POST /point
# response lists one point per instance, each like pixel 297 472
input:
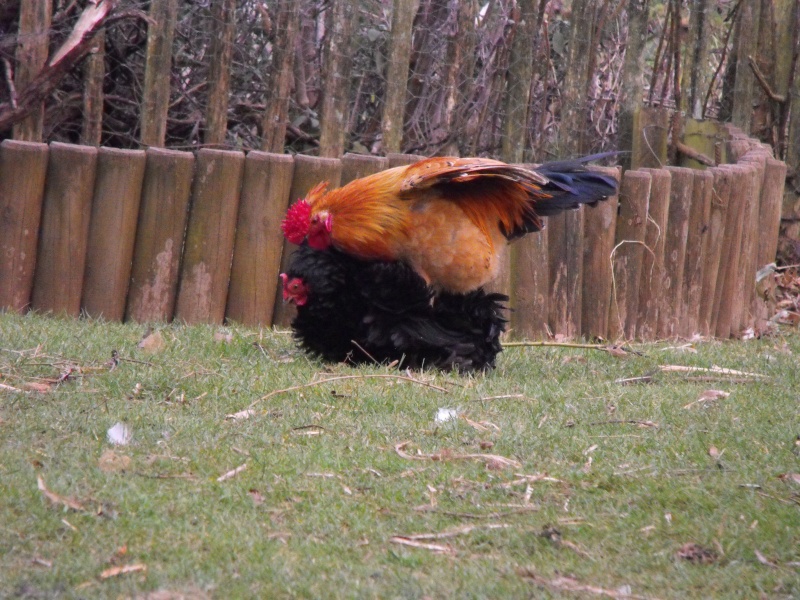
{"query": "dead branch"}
pixel 763 82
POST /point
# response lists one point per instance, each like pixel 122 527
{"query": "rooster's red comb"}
pixel 298 220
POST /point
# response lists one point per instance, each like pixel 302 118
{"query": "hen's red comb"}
pixel 298 220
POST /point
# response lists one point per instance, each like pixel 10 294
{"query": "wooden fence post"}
pixel 634 200
pixel 530 283
pixel 259 241
pixel 650 142
pixel 670 309
pixel 720 200
pixel 163 213
pixel 356 166
pixel 208 249
pixel 652 283
pixel 67 205
pixel 398 160
pixel 696 246
pixel 22 175
pixel 112 232
pixel 308 172
pixel 599 231
pixel 743 318
pixel 731 244
pixel 565 250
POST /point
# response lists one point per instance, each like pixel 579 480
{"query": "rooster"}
pixel 349 310
pixel 447 218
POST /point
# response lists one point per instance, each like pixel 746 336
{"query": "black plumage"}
pixel 362 312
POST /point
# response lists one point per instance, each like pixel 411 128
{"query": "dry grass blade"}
pixel 714 369
pixel 527 479
pixel 232 473
pixel 491 460
pixel 453 532
pixel 122 570
pixel 56 499
pixel 438 548
pixel 570 584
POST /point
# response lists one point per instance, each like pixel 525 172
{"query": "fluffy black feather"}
pixel 362 312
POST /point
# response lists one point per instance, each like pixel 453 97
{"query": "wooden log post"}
pixel 652 282
pixel 23 166
pixel 712 252
pixel 163 213
pixel 731 245
pixel 208 249
pixel 696 245
pixel 599 232
pixel 356 166
pixel 259 240
pixel 628 253
pixel 565 250
pixel 158 64
pixel 33 35
pixel 650 143
pixel 308 172
pixel 743 317
pixel 769 220
pixel 530 285
pixel 61 255
pixel 670 310
pixel 112 232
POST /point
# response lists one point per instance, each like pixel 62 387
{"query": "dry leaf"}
pixel 709 396
pixel 56 499
pixel 793 477
pixel 764 560
pixel 256 496
pixel 111 462
pixel 122 570
pixel 241 415
pixel 223 337
pixel 153 342
pixel 37 386
pixel 697 554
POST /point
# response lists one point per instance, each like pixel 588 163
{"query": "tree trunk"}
pixel 746 43
pixel 155 96
pixel 32 50
pixel 93 75
pixel 223 28
pixel 518 83
pixel 459 62
pixel 280 76
pixel 632 88
pixel 336 83
pixel 695 68
pixel 397 74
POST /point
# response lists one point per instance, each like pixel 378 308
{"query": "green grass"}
pixel 324 490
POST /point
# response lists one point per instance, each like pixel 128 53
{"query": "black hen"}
pixel 359 312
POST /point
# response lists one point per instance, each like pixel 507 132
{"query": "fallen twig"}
pixel 571 584
pixel 440 548
pixel 232 473
pixel 56 499
pixel 451 533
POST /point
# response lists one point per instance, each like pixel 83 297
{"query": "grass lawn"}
pixel 554 480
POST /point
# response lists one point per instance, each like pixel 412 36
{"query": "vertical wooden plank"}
pixel 33 38
pixel 652 282
pixel 743 317
pixel 696 244
pixel 731 244
pixel 220 59
pixel 67 204
pixel 599 231
pixel 398 160
pixel 720 199
pixel 22 174
pixel 112 232
pixel 308 172
pixel 208 249
pixel 650 138
pixel 356 166
pixel 259 241
pixel 565 248
pixel 158 64
pixel 530 284
pixel 163 213
pixel 670 309
pixel 634 200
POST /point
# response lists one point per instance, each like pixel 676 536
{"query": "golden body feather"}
pixel 442 216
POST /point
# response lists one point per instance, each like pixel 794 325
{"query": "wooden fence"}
pixel 158 235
